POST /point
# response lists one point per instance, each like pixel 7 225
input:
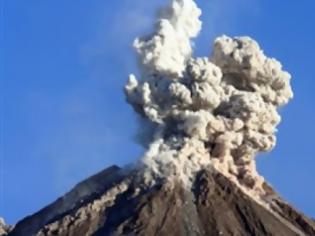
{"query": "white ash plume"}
pixel 219 111
pixel 167 50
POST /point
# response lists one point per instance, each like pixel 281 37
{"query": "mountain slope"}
pixel 4 229
pixel 114 202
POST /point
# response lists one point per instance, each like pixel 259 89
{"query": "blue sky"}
pixel 63 114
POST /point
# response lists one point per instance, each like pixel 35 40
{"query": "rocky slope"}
pixel 116 202
pixel 4 229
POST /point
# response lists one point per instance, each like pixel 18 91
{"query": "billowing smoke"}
pixel 219 111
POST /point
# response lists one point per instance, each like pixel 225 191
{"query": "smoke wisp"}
pixel 219 110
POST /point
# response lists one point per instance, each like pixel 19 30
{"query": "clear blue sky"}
pixel 63 115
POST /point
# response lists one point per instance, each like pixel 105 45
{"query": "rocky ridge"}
pixel 116 202
pixel 4 229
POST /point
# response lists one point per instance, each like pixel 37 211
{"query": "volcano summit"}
pixel 204 122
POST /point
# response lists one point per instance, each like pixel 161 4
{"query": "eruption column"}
pixel 219 111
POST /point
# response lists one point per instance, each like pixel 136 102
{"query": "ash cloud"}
pixel 219 110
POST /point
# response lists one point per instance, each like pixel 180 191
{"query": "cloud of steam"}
pixel 219 111
pixel 168 48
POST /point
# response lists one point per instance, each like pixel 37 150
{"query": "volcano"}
pixel 204 121
pixel 116 202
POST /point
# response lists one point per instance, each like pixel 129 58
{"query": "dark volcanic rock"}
pixel 115 203
pixel 72 200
